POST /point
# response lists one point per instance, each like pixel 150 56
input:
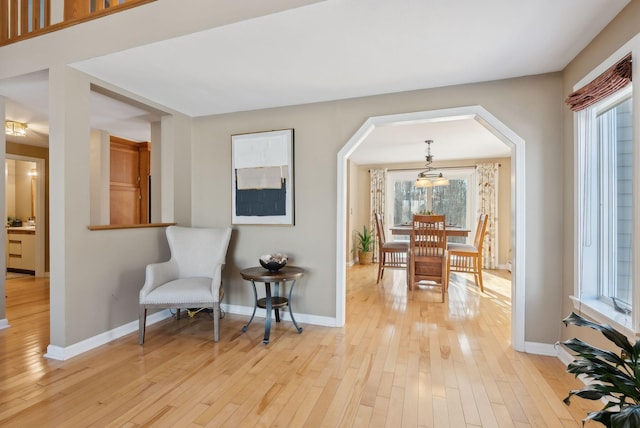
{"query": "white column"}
pixel 69 195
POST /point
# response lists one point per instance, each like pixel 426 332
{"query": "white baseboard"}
pixel 284 314
pixel 4 323
pixel 565 356
pixel 62 354
pixel 558 351
pixel 550 350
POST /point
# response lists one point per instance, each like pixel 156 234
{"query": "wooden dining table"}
pixel 405 229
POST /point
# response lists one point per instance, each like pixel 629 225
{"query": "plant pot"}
pixel 365 258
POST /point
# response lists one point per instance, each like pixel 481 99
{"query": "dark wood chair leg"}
pixel 142 323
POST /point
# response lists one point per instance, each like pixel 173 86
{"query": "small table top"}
pixel 405 229
pixel 258 273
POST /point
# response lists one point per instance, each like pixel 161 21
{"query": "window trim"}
pixel 593 308
pixel 451 173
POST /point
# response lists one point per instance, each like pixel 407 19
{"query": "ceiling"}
pixel 337 49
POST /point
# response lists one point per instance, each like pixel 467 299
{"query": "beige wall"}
pixel 23 192
pixel 531 107
pixel 10 188
pixel 356 212
pixel 504 196
pixel 622 29
pixel 361 203
pixel 113 260
pixel 198 155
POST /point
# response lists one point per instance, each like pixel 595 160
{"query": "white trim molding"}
pixel 62 354
pixel 542 349
pixel 284 315
pixel 518 209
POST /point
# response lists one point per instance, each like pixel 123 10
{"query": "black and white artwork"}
pixel 262 178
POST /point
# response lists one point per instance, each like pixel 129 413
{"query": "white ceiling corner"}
pixel 340 49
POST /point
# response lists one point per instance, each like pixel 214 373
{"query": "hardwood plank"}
pixel 399 361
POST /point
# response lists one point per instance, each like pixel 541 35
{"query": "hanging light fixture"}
pixel 16 129
pixel 429 178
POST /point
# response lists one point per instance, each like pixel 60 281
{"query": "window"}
pixel 455 201
pixel 615 198
pixel 605 211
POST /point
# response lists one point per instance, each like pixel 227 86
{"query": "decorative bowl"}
pixel 273 262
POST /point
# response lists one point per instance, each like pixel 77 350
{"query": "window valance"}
pixel 612 80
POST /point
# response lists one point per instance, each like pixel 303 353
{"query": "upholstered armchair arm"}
pixel 216 282
pixel 157 274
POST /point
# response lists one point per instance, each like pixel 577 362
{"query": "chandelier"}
pixel 428 177
pixel 17 129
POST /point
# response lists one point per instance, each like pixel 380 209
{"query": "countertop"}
pixel 22 229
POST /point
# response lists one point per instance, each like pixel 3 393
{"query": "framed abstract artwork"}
pixel 262 178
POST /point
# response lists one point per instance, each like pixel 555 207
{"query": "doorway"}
pixel 25 210
pixel 501 131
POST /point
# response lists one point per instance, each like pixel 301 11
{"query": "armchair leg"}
pixel 142 320
pixel 216 321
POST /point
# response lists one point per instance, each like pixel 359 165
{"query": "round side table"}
pixel 275 301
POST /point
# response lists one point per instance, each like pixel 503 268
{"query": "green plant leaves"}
pixel 613 377
pixel 364 240
pixel 629 417
pixel 619 339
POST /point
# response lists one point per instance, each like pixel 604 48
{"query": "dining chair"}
pixel 468 258
pixel 191 278
pixel 392 254
pixel 428 252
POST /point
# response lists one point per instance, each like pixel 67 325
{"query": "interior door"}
pixel 129 177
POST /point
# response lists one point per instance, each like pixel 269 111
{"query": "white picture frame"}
pixel 262 178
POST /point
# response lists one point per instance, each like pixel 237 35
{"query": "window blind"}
pixel 612 80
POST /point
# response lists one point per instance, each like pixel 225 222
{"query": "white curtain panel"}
pixel 378 182
pixel 487 179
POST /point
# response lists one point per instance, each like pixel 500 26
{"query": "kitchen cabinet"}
pixel 21 249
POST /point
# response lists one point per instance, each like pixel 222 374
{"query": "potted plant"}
pixel 364 246
pixel 612 376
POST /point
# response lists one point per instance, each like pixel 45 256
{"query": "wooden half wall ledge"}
pixel 129 226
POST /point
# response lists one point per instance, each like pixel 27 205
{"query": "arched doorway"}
pixel 501 131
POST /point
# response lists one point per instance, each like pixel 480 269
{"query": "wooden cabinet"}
pixel 130 168
pixel 21 250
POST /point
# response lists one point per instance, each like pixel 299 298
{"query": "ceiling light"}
pixel 17 129
pixel 428 177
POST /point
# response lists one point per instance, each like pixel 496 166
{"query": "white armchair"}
pixel 191 278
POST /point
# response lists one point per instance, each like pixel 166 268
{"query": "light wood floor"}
pixel 397 362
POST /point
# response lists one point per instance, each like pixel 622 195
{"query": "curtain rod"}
pixel 443 167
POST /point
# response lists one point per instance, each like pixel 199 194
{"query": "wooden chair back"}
pixel 481 229
pixel 468 258
pixel 391 254
pixel 380 229
pixel 428 251
pixel 428 236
